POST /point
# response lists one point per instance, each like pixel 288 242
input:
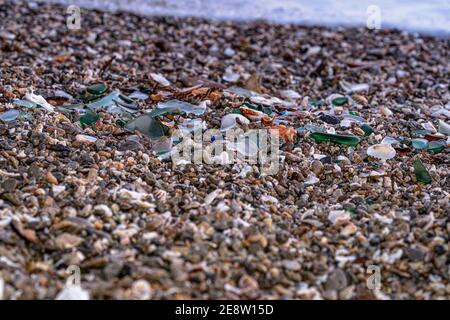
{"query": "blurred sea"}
pixel 425 16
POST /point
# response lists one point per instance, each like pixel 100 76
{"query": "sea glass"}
pixel 421 172
pixel 419 143
pixel 336 138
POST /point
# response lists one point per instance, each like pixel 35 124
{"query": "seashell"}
pixel 160 79
pixel 192 125
pixel 230 121
pixel 359 98
pixel 290 95
pixel 339 217
pixel 267 101
pixel 85 138
pixel 312 179
pixel 349 87
pixel 230 76
pixel 429 127
pixel 74 292
pixel 381 151
pixel 40 100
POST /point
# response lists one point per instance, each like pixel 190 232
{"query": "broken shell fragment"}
pixel 287 133
pixel 230 121
pixel 160 79
pixel 381 151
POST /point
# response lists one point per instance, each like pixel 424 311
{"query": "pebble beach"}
pixel 86 177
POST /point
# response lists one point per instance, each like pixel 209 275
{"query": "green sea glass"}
pixel 339 101
pixel 89 118
pixel 367 129
pixel 421 172
pixel 97 88
pixel 335 138
pixel 437 146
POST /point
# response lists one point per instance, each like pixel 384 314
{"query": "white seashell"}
pixel 312 51
pixel 230 76
pixel 222 159
pixel 312 179
pixel 319 156
pixel 381 151
pixel 229 121
pixel 74 292
pixel 375 174
pixel 349 87
pixel 40 100
pixel 222 207
pixel 339 217
pixel 141 290
pixel 429 127
pixel 385 111
pixel 290 94
pixel 160 79
pixel 267 101
pixel 85 139
pixel 192 125
pixel 342 158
